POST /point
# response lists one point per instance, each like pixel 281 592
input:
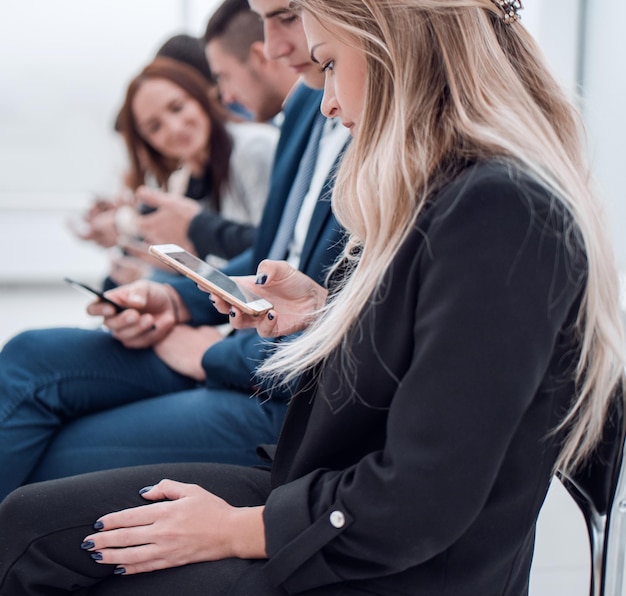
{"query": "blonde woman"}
pixel 469 345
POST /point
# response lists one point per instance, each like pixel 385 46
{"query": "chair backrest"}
pixel 599 490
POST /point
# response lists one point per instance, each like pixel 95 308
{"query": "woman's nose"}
pixel 329 107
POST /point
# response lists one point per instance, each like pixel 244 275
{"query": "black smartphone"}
pixel 92 291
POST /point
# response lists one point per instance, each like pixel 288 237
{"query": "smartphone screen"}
pixel 210 278
pixel 93 292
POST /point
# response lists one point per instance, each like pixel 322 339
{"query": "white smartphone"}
pixel 210 278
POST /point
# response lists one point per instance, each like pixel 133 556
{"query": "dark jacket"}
pixel 423 470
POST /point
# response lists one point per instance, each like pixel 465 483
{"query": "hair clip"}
pixel 510 8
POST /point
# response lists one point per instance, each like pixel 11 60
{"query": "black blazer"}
pixel 423 469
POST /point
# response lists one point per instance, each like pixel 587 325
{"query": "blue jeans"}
pixel 76 400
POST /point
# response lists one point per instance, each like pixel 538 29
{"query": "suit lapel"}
pixel 295 133
pixel 321 214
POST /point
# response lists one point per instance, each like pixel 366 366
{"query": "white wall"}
pixel 605 94
pixel 554 25
pixel 64 67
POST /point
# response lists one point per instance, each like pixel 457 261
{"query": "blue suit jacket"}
pixel 232 362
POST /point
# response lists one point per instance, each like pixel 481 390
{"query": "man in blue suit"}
pixel 164 384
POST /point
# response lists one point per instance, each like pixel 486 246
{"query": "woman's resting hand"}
pixel 186 525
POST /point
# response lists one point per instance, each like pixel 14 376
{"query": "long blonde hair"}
pixel 449 81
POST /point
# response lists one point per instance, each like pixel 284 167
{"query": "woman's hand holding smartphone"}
pixel 297 300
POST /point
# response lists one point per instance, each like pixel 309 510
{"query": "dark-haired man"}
pixel 235 49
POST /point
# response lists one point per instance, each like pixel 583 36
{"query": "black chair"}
pixel 599 490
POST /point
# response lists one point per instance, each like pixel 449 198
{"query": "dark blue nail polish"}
pixel 87 544
pixel 119 571
pixel 261 279
pixel 96 556
pixel 145 489
pixel 98 525
pixel 231 313
pixel 270 316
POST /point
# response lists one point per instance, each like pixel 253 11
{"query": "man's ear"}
pixel 257 53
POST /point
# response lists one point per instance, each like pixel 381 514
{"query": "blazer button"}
pixel 337 519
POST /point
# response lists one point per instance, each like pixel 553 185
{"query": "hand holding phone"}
pixel 210 278
pixel 93 292
pixel 297 300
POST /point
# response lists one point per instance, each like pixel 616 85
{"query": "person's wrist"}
pixel 322 297
pixel 180 312
pixel 247 532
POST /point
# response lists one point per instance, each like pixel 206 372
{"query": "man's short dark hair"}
pixel 188 49
pixel 236 26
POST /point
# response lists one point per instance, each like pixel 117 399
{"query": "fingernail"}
pixel 96 556
pixel 119 571
pixel 231 313
pixel 98 525
pixel 87 544
pixel 270 316
pixel 261 279
pixel 145 489
pixel 211 299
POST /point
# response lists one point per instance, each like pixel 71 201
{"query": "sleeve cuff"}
pixel 295 541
